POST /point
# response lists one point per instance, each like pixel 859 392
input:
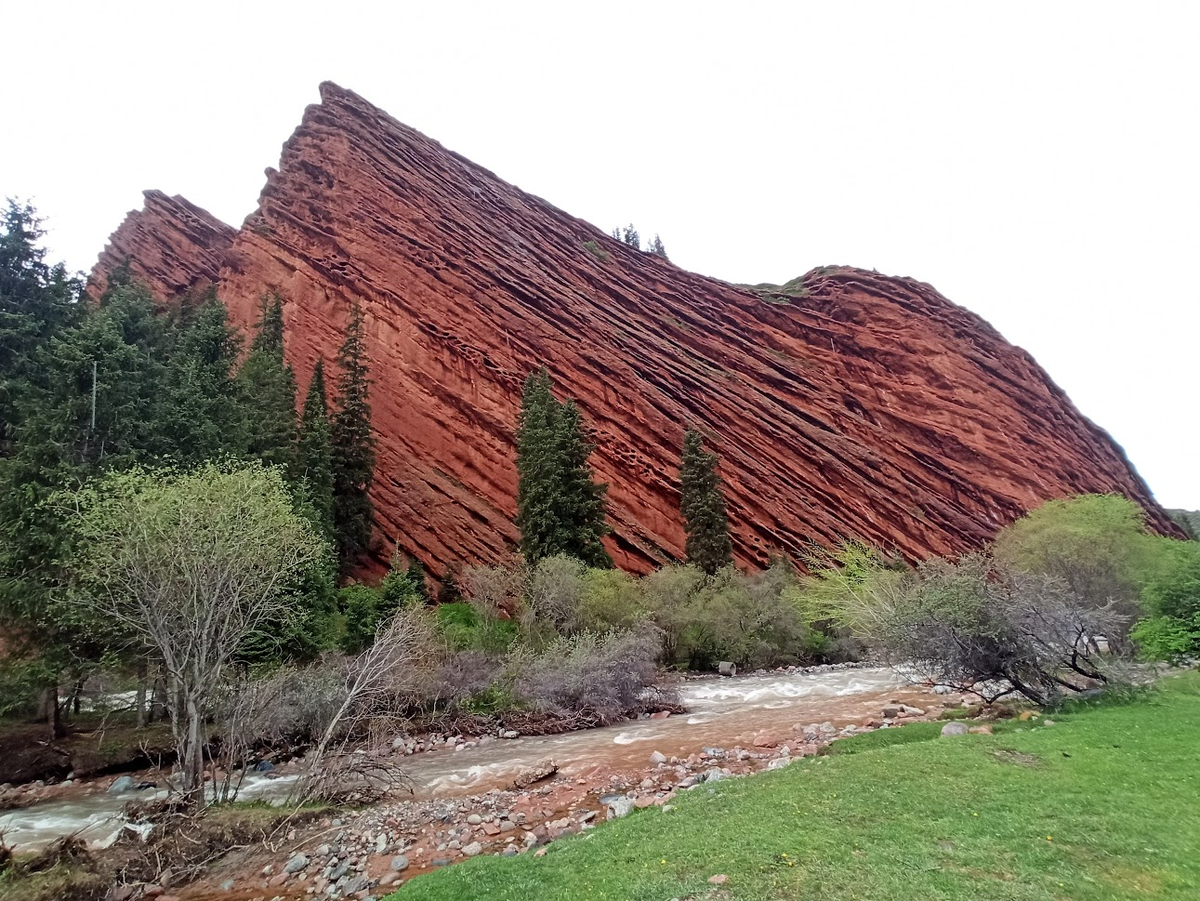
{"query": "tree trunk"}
pixel 141 694
pixel 158 702
pixel 191 751
pixel 48 710
pixel 75 695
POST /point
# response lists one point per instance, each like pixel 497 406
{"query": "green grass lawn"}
pixel 1105 804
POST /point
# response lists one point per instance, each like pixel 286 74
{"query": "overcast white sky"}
pixel 1036 162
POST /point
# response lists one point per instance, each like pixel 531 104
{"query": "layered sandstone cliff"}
pixel 847 404
pixel 171 244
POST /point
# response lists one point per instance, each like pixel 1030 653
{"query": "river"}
pixel 721 713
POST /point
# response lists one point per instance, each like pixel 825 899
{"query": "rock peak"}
pixel 843 404
pixel 171 244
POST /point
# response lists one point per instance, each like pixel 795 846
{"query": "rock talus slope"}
pixel 847 404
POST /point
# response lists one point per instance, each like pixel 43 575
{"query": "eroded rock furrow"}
pixel 847 404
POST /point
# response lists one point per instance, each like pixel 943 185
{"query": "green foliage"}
pixel 21 683
pixel 629 236
pixel 560 509
pixel 1188 520
pixel 361 608
pixel 1171 629
pixel 449 591
pixel 596 250
pixel 353 446
pixel 364 609
pixel 1096 543
pixel 466 629
pixel 315 454
pixel 747 619
pixel 195 566
pixel 703 507
pixel 37 301
pixel 267 388
pixel 203 416
pixel 656 247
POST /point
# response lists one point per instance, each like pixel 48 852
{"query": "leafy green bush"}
pixel 1171 629
pixel 465 629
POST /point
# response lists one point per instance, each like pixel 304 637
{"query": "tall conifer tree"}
pixel 268 388
pixel 315 453
pixel 353 447
pixel 703 506
pixel 560 508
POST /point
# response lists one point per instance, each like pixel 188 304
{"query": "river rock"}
pixel 954 729
pixel 474 819
pixel 473 849
pixel 353 885
pixel 618 807
pixel 658 757
pixel 296 864
pixel 122 784
pixel 399 863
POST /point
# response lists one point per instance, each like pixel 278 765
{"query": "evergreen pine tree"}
pixel 448 591
pixel 656 247
pixel 560 509
pixel 539 471
pixel 353 447
pixel 416 578
pixel 703 507
pixel 204 416
pixel 582 502
pixel 315 463
pixel 36 301
pixel 268 392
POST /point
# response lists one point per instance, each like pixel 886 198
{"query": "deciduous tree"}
pixel 196 564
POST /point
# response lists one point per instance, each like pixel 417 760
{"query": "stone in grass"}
pixel 719 879
pixel 954 729
pixel 619 807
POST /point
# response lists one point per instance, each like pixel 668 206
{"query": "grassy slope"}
pixel 1103 805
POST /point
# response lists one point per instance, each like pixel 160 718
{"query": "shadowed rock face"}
pixel 845 404
pixel 172 245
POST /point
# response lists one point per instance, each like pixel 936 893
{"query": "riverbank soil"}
pixel 1094 804
pixel 92 745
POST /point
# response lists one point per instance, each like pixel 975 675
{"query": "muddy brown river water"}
pixel 721 713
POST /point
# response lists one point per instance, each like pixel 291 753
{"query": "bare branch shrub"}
pixel 596 679
pixel 976 625
pixel 379 686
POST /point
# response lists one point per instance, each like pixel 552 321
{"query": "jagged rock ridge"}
pixel 171 244
pixel 847 404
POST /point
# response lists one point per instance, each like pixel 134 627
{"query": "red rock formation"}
pixel 853 405
pixel 171 244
